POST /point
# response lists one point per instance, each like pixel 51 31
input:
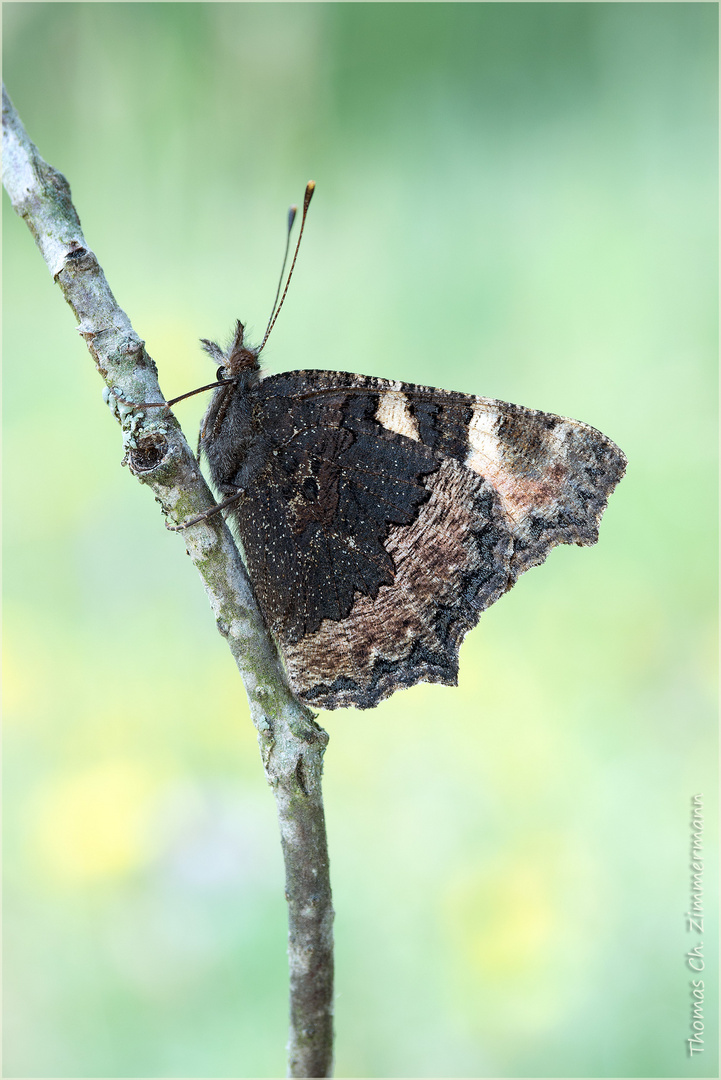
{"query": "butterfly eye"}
pixel 219 374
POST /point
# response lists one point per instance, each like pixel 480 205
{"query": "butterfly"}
pixel 379 519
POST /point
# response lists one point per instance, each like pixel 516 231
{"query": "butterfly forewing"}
pixel 378 519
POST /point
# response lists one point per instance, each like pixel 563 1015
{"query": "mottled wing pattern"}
pixel 370 554
pixel 315 522
pixel 389 516
pixel 553 475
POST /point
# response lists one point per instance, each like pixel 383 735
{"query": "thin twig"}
pixel 291 743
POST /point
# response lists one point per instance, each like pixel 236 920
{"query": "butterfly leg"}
pixel 207 513
pixel 135 404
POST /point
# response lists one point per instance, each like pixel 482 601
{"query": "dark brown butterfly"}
pixel 379 519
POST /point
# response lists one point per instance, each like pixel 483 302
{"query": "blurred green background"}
pixel 514 200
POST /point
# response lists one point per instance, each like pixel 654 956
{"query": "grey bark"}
pixel 291 743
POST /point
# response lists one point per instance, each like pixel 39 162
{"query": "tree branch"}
pixel 291 743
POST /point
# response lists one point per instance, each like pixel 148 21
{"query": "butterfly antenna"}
pixel 291 218
pixel 310 188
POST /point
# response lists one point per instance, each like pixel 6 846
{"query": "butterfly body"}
pixel 378 519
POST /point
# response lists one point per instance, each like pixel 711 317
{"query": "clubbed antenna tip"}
pixel 309 189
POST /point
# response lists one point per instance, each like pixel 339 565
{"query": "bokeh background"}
pixel 514 200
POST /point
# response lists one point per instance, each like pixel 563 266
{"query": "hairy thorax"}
pixel 234 448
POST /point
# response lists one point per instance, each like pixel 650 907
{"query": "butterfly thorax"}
pixel 229 438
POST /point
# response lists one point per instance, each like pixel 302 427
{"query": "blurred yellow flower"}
pixel 503 922
pixel 93 824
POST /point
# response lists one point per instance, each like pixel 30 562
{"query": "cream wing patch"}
pixel 394 414
pixel 485 447
pixel 486 458
pixel 521 490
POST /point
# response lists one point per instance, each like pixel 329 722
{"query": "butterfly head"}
pixel 239 363
pixel 235 361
